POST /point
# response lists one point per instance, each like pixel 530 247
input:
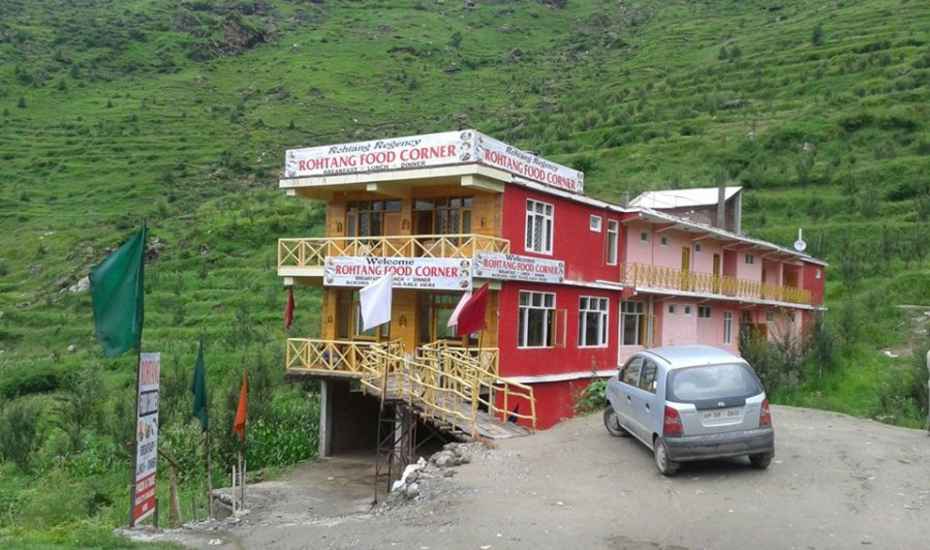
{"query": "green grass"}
pixel 111 112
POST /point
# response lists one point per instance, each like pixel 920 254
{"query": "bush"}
pixel 19 423
pixel 593 398
pixel 28 379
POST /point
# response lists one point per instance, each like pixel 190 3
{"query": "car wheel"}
pixel 612 423
pixel 665 465
pixel 761 461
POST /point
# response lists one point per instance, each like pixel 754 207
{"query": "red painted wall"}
pixel 555 401
pixel 515 361
pixel 812 283
pixel 583 251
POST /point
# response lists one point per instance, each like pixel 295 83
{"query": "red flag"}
pixel 471 316
pixel 289 309
pixel 242 412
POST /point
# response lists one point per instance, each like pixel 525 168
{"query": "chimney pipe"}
pixel 722 204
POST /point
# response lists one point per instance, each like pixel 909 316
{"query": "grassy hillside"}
pixel 179 111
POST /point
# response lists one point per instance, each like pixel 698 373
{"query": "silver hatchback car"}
pixel 691 403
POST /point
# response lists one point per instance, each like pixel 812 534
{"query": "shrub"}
pixel 22 380
pixel 817 37
pixel 19 423
pixel 593 398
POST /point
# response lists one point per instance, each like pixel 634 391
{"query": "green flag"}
pixel 116 287
pixel 199 388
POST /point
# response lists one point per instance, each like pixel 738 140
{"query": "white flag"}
pixel 454 318
pixel 376 302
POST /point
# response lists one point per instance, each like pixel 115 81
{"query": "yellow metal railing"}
pixel 312 252
pixel 653 276
pixel 449 384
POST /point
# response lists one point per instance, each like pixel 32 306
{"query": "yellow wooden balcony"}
pixel 668 278
pixel 312 252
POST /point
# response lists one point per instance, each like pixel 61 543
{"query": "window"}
pixel 663 241
pixel 817 274
pixel 442 216
pixel 594 224
pixel 703 312
pixel 613 239
pixel 647 377
pixel 671 309
pixel 634 323
pixel 592 322
pixel 366 218
pixel 697 247
pixel 644 237
pixel 727 327
pixel 750 259
pixel 539 226
pixel 537 319
pixel 687 310
pixel 631 371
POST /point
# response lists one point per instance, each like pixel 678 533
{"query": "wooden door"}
pixel 716 273
pixel 685 268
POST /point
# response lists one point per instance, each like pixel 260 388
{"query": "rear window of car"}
pixel 693 384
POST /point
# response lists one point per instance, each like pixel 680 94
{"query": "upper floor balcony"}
pixel 297 256
pixel 652 277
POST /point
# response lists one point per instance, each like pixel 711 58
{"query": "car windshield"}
pixel 712 382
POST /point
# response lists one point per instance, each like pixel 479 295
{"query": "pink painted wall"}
pixel 752 272
pixel 679 328
pixel 703 261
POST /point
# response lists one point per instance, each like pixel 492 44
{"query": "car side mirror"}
pixel 620 373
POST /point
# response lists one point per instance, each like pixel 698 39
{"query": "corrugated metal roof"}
pixel 681 198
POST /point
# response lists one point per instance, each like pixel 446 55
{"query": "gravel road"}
pixel 836 482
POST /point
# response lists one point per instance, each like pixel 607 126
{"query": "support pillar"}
pixel 326 418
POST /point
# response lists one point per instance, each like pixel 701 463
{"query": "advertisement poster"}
pixel 513 267
pixel 143 501
pixel 420 273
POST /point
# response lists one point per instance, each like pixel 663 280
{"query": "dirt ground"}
pixel 836 482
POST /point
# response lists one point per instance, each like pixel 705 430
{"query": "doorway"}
pixel 433 312
pixel 685 268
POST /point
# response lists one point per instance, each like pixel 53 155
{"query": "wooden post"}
pixel 209 476
pixel 174 504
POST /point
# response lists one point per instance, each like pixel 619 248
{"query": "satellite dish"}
pixel 799 244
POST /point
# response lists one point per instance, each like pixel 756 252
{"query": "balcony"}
pixel 666 278
pixel 309 253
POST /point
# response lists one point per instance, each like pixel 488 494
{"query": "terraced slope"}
pixel 179 111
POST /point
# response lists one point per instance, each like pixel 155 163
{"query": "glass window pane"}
pixel 536 299
pixel 535 320
pixel 521 340
pixel 524 298
pixel 466 221
pixel 550 300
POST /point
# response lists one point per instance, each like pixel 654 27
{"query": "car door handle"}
pixel 648 407
pixel 628 398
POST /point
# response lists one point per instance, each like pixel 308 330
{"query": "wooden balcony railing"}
pixel 668 278
pixel 313 252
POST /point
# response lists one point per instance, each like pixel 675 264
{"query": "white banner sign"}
pixel 422 273
pixel 143 502
pixel 513 267
pixel 522 163
pixel 442 149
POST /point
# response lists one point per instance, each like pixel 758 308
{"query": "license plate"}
pixel 722 414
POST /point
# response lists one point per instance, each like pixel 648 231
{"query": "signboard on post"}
pixel 429 150
pixel 143 499
pixel 420 273
pixel 513 267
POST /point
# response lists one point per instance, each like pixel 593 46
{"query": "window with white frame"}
pixel 663 241
pixel 697 247
pixel 671 309
pixel 727 327
pixel 537 319
pixel 750 259
pixel 594 224
pixel 703 312
pixel 539 226
pixel 644 237
pixel 592 322
pixel 613 240
pixel 634 323
pixel 687 310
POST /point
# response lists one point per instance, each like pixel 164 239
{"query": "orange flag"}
pixel 242 412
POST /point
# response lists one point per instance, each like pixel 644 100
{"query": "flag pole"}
pixel 135 420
